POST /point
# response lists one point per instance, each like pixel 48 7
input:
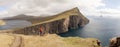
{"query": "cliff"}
pixel 15 40
pixel 71 19
pixel 115 42
pixel 2 22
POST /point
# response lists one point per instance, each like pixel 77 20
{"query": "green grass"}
pixel 81 42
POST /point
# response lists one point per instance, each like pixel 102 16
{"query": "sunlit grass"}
pixel 81 42
pixel 50 40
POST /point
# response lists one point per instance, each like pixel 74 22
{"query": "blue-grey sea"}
pixel 102 28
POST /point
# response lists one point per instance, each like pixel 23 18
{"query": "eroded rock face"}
pixel 115 42
pixel 71 19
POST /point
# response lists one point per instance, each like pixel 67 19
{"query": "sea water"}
pixel 102 28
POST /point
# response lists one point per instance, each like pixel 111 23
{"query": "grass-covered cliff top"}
pixel 15 40
pixel 62 15
pixel 2 22
pixel 72 12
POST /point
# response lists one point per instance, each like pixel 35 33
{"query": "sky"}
pixel 9 8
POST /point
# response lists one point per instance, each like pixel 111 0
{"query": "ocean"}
pixel 102 28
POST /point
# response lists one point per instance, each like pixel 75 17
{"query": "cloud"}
pixel 109 11
pixel 89 3
pixel 90 7
pixel 34 7
pixel 51 7
pixel 98 8
pixel 114 13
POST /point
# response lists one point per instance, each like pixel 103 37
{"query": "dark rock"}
pixel 115 42
pixel 99 43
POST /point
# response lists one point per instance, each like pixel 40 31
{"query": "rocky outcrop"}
pixel 50 40
pixel 71 19
pixel 115 42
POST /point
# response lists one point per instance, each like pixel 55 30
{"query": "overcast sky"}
pixel 10 8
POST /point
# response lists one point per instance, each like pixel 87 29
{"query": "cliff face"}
pixel 70 19
pixel 115 42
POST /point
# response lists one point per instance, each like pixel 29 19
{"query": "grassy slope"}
pixel 7 40
pixel 81 42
